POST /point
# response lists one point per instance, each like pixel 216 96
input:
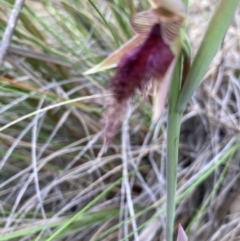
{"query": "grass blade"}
pixel 105 21
pixel 214 34
pixel 173 132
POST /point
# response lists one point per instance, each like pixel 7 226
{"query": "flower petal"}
pixel 174 6
pixel 181 234
pixel 143 22
pixel 112 60
pixel 161 92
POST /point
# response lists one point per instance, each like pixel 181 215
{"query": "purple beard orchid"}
pixel 148 57
pixel 137 68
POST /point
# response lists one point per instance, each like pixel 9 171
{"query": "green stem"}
pixel 173 131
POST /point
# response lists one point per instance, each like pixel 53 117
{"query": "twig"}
pixel 12 22
pixel 24 52
pixel 126 188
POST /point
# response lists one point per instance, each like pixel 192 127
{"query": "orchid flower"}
pixel 148 57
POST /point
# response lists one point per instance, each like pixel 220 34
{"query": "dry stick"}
pixel 10 29
pixel 23 52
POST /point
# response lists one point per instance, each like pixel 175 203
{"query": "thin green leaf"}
pixel 122 22
pixel 211 195
pixel 105 21
pixel 30 25
pixel 173 132
pixel 214 34
pixel 83 210
pixel 184 190
pixel 86 220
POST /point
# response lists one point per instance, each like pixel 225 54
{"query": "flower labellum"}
pixel 137 68
pixel 148 61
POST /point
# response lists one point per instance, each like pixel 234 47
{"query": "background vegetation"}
pixel 57 183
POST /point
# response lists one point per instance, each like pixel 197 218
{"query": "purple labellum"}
pixel 136 69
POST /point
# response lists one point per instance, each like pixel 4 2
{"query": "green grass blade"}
pixel 186 189
pixel 226 153
pixel 122 22
pixel 85 221
pixel 173 132
pixel 105 21
pixel 82 211
pixel 214 34
pixel 211 195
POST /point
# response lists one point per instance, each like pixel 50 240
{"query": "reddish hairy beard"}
pixel 136 69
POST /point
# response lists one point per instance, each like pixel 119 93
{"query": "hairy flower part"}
pixel 112 119
pixel 149 61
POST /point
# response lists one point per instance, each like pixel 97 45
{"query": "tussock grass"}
pixel 57 183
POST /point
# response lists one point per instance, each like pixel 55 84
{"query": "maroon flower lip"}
pixel 140 65
pixel 137 68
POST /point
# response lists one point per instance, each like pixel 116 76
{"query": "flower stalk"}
pixel 173 132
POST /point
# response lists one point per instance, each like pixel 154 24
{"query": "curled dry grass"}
pixel 53 166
